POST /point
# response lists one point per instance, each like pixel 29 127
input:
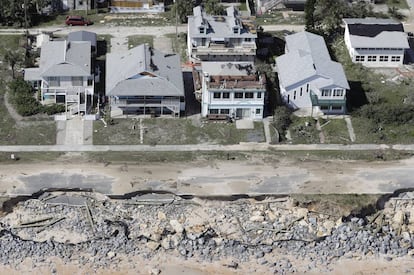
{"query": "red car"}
pixel 76 20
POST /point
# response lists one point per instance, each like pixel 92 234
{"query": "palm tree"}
pixel 13 58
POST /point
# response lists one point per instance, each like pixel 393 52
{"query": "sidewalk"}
pixel 204 147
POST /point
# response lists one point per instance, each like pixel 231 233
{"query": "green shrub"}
pixel 386 113
pixel 282 118
pixel 53 109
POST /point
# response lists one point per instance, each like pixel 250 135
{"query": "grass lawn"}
pixel 338 204
pixel 276 17
pixel 179 44
pixel 29 157
pixel 174 131
pixel 104 18
pixel 29 133
pixel 136 40
pixel 335 131
pixel 302 134
pixel 368 132
pixel 400 4
pixel 372 89
pixel 147 157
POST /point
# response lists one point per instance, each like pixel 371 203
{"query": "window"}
pixel 300 94
pixel 336 108
pixel 214 111
pixel 259 95
pixel 294 94
pixel 338 92
pixel 307 87
pixel 235 30
pixel 201 30
pixel 238 95
pixel 217 95
pixel 54 81
pixel 247 40
pixel 324 107
pixel 248 95
pixel 359 58
pixel 226 95
pixel 372 58
pixel 258 111
pixel 225 111
pixel 77 81
pixel 383 58
pixel 326 92
pixel 90 82
pixel 288 101
pixel 395 58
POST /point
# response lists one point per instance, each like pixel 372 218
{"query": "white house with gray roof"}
pixel 232 89
pixel 65 75
pixel 375 42
pixel 309 80
pixel 144 81
pixel 220 37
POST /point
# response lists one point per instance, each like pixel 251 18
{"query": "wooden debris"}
pixel 89 215
pixel 51 223
pixel 36 221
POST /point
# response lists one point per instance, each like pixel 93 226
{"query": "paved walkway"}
pixel 74 132
pixel 266 126
pixel 249 146
pixel 351 132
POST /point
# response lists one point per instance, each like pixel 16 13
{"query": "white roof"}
pixel 308 57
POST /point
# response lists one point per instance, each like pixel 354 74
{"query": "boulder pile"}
pixel 89 228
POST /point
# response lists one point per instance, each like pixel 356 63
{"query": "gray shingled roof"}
pixel 31 74
pixel 83 36
pixel 307 58
pixel 219 26
pixel 143 71
pixel 60 58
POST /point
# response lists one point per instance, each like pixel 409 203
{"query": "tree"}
pixel 13 58
pixel 213 7
pixel 15 12
pixel 181 9
pixel 309 15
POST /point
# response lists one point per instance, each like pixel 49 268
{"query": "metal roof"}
pixel 308 58
pixel 83 36
pixel 144 71
pixel 376 33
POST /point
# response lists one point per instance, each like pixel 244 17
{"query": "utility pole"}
pixel 25 14
pixel 176 18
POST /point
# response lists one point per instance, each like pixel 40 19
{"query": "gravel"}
pixel 242 230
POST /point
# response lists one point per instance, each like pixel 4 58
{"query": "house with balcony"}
pixel 65 76
pixel 232 89
pixel 376 42
pixel 144 81
pixel 227 37
pixel 309 80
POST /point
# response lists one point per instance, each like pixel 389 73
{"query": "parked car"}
pixel 76 20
